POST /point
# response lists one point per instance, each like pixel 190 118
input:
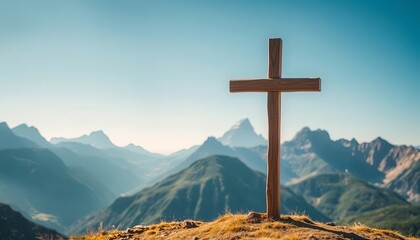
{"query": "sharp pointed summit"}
pixel 242 134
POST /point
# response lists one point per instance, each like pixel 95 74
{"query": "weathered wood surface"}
pixel 273 109
pixel 273 156
pixel 274 85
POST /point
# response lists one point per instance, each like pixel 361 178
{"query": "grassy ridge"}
pixel 251 226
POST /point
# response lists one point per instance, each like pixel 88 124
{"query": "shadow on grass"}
pixel 312 226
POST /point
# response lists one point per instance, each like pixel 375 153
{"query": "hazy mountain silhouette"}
pixel 213 147
pixel 97 139
pixel 95 172
pixel 32 134
pixel 242 134
pixel 100 140
pixel 210 147
pixel 141 151
pixel 139 159
pixel 13 226
pixel 184 153
pixel 342 195
pixel 203 191
pixel 38 182
pixel 164 167
pixel 116 174
pixel 9 140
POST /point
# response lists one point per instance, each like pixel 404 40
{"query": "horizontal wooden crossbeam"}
pixel 276 85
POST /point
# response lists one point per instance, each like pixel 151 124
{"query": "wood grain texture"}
pixel 276 85
pixel 273 156
pixel 274 57
pixel 273 109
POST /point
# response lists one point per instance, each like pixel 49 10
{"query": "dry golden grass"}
pixel 230 226
pixel 378 232
pixel 96 236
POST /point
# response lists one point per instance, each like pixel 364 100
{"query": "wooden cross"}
pixel 274 85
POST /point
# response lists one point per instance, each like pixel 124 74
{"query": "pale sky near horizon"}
pixel 155 73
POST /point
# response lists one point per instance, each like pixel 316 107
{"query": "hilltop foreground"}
pixel 251 226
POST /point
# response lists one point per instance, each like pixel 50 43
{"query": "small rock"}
pixel 137 229
pixel 254 217
pixel 195 238
pixel 189 224
pixel 330 224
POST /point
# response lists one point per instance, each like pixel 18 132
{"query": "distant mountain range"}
pixel 340 180
pixel 100 157
pixel 38 182
pixel 379 162
pixel 99 140
pixel 313 152
pixel 96 139
pixel 55 185
pixel 14 226
pixel 205 190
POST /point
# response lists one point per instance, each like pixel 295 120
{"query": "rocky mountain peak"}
pixel 242 134
pixel 306 134
pixel 381 143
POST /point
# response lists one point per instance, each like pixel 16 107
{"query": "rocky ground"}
pixel 251 226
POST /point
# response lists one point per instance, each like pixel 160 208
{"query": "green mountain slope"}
pixel 203 191
pixel 13 226
pixel 405 219
pixel 341 195
pixel 37 182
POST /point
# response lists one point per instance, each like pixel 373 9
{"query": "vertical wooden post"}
pixel 273 107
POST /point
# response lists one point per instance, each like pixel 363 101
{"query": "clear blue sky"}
pixel 156 72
